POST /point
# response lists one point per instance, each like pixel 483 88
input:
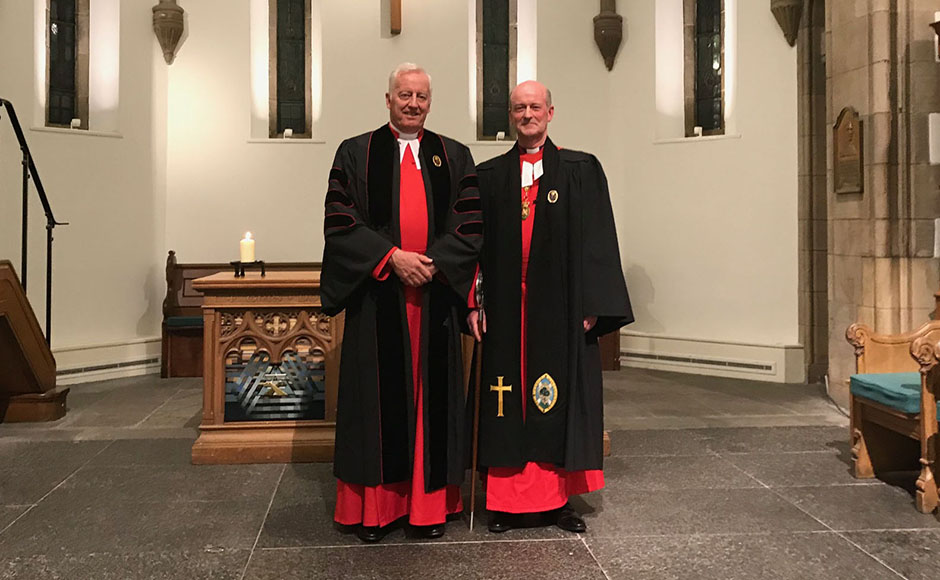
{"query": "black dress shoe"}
pixel 370 534
pixel 500 522
pixel 569 520
pixel 434 531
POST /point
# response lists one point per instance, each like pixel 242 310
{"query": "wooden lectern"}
pixel 27 368
pixel 271 370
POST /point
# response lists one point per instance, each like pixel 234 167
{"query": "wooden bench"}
pixel 894 405
pixel 181 331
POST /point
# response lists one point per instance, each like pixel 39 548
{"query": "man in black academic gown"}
pixel 402 235
pixel 552 283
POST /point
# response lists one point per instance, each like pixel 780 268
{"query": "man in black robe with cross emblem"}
pixel 552 283
pixel 402 235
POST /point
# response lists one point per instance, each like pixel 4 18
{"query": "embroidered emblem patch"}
pixel 553 196
pixel 545 393
pixel 436 160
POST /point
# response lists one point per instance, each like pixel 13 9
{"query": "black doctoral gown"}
pixel 375 423
pixel 574 272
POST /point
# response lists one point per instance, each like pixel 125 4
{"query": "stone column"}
pixel 881 271
pixel 813 235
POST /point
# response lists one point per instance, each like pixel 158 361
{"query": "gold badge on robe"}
pixel 553 196
pixel 436 160
pixel 545 393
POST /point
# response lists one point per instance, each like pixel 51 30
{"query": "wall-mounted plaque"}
pixel 847 159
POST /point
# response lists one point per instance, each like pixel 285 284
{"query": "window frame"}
pixel 81 65
pixel 513 9
pixel 689 15
pixel 273 132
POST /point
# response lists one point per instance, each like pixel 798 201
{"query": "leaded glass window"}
pixel 709 66
pixel 63 50
pixel 291 66
pixel 496 41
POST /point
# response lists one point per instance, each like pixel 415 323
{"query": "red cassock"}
pixel 536 487
pixel 383 504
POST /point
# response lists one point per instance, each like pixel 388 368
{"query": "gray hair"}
pixel 403 68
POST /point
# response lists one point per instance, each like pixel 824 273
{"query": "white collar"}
pixel 531 172
pixel 405 140
pixel 402 134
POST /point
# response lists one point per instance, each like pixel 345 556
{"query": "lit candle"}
pixel 247 247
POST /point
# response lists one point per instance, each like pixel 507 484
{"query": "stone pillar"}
pixel 813 234
pixel 881 271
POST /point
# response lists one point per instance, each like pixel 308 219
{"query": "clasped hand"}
pixel 412 268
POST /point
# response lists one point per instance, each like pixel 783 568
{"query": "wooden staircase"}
pixel 27 368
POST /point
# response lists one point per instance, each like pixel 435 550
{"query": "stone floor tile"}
pixel 860 507
pixel 189 565
pixel 66 455
pixel 295 522
pixel 803 556
pixel 8 513
pixel 679 472
pixel 146 452
pixel 27 485
pixel 626 512
pixel 57 527
pixel 655 443
pixel 525 560
pixel 797 469
pixel 914 555
pixel 774 439
pixel 172 483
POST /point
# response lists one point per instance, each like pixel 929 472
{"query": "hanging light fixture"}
pixel 608 31
pixel 168 26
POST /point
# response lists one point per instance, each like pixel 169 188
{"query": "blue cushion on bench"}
pixel 900 391
pixel 181 321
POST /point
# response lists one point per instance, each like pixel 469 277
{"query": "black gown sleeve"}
pixel 456 252
pixel 604 289
pixel 352 249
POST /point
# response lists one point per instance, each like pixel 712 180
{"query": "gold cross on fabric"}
pixel 500 388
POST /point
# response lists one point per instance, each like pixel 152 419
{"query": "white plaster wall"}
pixel 708 229
pixel 221 185
pixel 107 278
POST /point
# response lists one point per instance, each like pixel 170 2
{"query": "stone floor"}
pixel 710 478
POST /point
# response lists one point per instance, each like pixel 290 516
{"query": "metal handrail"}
pixel 30 171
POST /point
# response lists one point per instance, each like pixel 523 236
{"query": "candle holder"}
pixel 240 267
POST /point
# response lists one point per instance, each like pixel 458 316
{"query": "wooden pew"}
pixel 894 405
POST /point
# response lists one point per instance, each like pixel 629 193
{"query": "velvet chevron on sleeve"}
pixel 456 251
pixel 376 414
pixel 353 248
